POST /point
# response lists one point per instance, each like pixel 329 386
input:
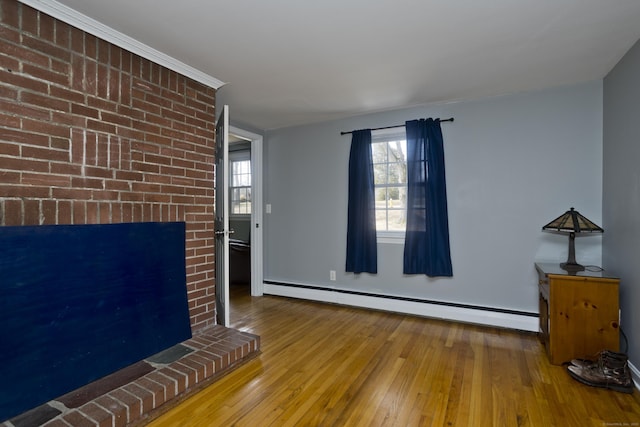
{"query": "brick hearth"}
pixel 133 395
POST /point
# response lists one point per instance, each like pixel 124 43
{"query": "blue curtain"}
pixel 362 255
pixel 426 246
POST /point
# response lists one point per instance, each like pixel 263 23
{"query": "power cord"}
pixel 626 341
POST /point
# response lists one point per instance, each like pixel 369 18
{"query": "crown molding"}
pixel 91 26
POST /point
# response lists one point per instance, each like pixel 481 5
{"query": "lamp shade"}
pixel 572 222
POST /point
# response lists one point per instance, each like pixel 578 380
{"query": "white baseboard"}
pixel 487 317
pixel 635 375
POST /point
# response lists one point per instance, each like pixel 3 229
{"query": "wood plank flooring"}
pixel 327 365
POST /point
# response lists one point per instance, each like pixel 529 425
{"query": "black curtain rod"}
pixel 397 126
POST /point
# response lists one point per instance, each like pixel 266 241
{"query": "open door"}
pixel 222 218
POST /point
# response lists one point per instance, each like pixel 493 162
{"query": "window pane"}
pixel 379 152
pixel 397 220
pixel 394 200
pixel 240 186
pixel 380 174
pixel 241 173
pixel 397 151
pixel 390 177
pixel 381 198
pixel 397 173
pixel 403 196
pixel 381 219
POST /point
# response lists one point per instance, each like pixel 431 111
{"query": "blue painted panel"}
pixel 79 302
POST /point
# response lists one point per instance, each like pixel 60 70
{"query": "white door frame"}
pixel 257 285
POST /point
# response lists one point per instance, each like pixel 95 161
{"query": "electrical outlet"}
pixel 332 275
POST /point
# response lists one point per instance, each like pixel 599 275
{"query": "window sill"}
pixel 390 237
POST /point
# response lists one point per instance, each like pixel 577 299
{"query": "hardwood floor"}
pixel 327 365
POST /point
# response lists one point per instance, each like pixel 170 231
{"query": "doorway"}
pixel 245 212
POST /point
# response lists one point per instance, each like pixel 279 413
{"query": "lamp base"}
pixel 571 267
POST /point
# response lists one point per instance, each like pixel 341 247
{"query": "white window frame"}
pixel 384 236
pixel 238 156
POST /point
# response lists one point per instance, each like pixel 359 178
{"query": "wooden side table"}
pixel 579 313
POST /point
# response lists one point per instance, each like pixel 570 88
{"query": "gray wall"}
pixel 621 194
pixel 513 164
pixel 241 228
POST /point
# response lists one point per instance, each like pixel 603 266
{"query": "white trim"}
pixel 239 156
pixel 396 132
pixel 635 375
pixel 392 237
pixel 257 225
pixel 91 26
pixel 458 314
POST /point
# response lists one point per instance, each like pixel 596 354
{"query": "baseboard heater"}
pixel 488 316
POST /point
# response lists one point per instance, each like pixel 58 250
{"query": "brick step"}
pixel 132 395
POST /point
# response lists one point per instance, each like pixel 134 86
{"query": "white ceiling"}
pixel 290 62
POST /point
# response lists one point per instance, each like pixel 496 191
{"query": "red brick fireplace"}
pixel 93 134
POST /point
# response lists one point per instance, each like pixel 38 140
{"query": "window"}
pixel 389 152
pixel 240 174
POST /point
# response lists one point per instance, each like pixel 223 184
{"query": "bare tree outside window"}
pixel 390 179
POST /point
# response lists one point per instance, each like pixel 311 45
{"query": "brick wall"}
pixel 91 133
